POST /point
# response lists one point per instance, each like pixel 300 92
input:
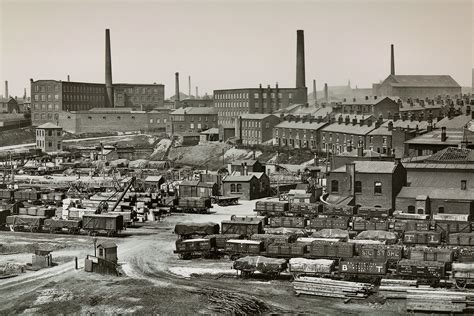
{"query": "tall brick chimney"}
pixel 6 89
pixel 189 87
pixel 392 61
pixel 176 87
pixel 197 92
pixel 315 93
pixel 300 67
pixel 108 71
pixel 326 93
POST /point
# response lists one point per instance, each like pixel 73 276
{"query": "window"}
pixel 59 146
pixel 411 209
pixel 101 252
pixel 463 184
pixel 239 187
pixel 232 187
pixel 50 144
pixel 358 187
pixel 334 186
pixel 50 133
pixel 151 120
pixel 192 125
pixel 59 133
pixel 441 210
pixel 377 187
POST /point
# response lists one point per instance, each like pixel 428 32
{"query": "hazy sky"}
pixel 232 44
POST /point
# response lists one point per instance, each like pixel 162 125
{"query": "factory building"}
pixel 232 103
pixel 99 120
pixel 385 106
pixel 192 120
pixel 256 129
pixel 416 86
pixel 50 97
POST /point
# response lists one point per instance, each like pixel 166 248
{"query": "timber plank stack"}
pixel 440 301
pixel 395 288
pixel 331 288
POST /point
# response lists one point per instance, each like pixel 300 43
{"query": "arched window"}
pixel 358 187
pixel 377 187
pixel 334 186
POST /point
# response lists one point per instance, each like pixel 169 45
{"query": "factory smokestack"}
pixel 197 92
pixel 176 87
pixel 300 67
pixel 6 89
pixel 315 93
pixel 326 93
pixel 108 71
pixel 68 78
pixel 392 61
pixel 189 87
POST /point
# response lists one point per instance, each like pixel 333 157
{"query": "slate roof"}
pixel 406 107
pixel 423 125
pixel 370 167
pixel 440 81
pixel 255 116
pixel 349 128
pixel 249 162
pixel 211 131
pixel 359 117
pixel 195 111
pixel 236 177
pixel 153 178
pixel 367 153
pixel 453 154
pixel 456 122
pixel 48 125
pixel 301 125
pixel 370 101
pixel 454 137
pixel 106 244
pixel 381 131
pixel 436 193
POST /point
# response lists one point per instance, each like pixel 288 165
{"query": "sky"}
pixel 233 44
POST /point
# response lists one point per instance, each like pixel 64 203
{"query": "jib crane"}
pixel 120 198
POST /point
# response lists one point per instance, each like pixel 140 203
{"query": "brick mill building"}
pixel 376 106
pixel 192 120
pixel 367 183
pixel 49 137
pixel 298 133
pixel 256 129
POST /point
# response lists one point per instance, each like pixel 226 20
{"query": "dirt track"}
pixel 146 255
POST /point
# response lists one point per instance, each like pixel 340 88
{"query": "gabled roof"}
pixel 153 178
pixel 301 125
pixel 453 137
pixel 249 162
pixel 456 122
pixel 439 81
pixel 436 193
pixel 453 154
pixel 370 167
pixel 107 244
pixel 195 111
pixel 238 178
pixel 349 128
pixel 423 125
pixel 370 100
pixel 211 131
pixel 49 125
pixel 255 116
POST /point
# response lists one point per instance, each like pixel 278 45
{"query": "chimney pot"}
pixel 443 134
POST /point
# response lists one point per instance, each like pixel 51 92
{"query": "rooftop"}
pixel 455 122
pixel 436 193
pixel 255 116
pixel 453 137
pixel 367 100
pixel 49 125
pixel 370 167
pixel 195 111
pixel 349 128
pixel 440 81
pixel 422 125
pixel 301 125
pixel 211 131
pixel 451 154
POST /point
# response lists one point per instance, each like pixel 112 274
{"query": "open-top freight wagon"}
pixel 245 226
pixel 54 225
pixel 267 266
pixel 196 247
pixel 271 208
pixel 189 230
pixel 200 205
pixel 25 222
pixel 225 200
pixel 110 224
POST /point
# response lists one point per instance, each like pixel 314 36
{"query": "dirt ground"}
pixel 155 281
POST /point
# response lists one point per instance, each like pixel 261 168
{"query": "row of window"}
pixel 180 118
pixel 224 96
pixel 289 132
pixel 357 187
pixel 142 98
pixel 158 121
pixel 48 88
pixel 295 143
pixel 236 188
pixel 41 144
pixel 141 90
pixel 251 133
pixel 41 132
pixel 45 107
pixel 44 116
pixel 84 89
pixel 45 97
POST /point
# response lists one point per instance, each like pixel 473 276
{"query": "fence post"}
pixel 76 265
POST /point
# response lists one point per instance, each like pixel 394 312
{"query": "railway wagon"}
pixel 328 249
pixel 237 248
pixel 374 212
pixel 382 252
pixel 286 221
pixel 357 266
pixel 339 210
pixel 329 223
pixel 189 229
pixel 421 270
pixel 37 211
pixel 6 194
pixel 268 239
pixel 430 238
pixel 271 208
pixel 33 223
pixel 3 216
pixel 198 247
pixel 31 195
pixel 128 216
pixel 431 254
pixel 221 239
pixel 461 239
pixel 194 204
pixel 463 273
pixel 450 227
pixel 245 226
pixel 387 237
pixel 56 224
pixel 286 250
pixel 109 223
pixel 358 243
pixel 305 209
pixel 360 224
pixel 303 266
pixel 407 225
pixel 267 266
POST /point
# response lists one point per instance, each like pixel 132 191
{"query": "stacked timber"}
pixel 395 288
pixel 443 301
pixel 331 288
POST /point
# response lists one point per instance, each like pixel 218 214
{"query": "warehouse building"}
pixel 256 129
pixel 376 106
pixel 192 120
